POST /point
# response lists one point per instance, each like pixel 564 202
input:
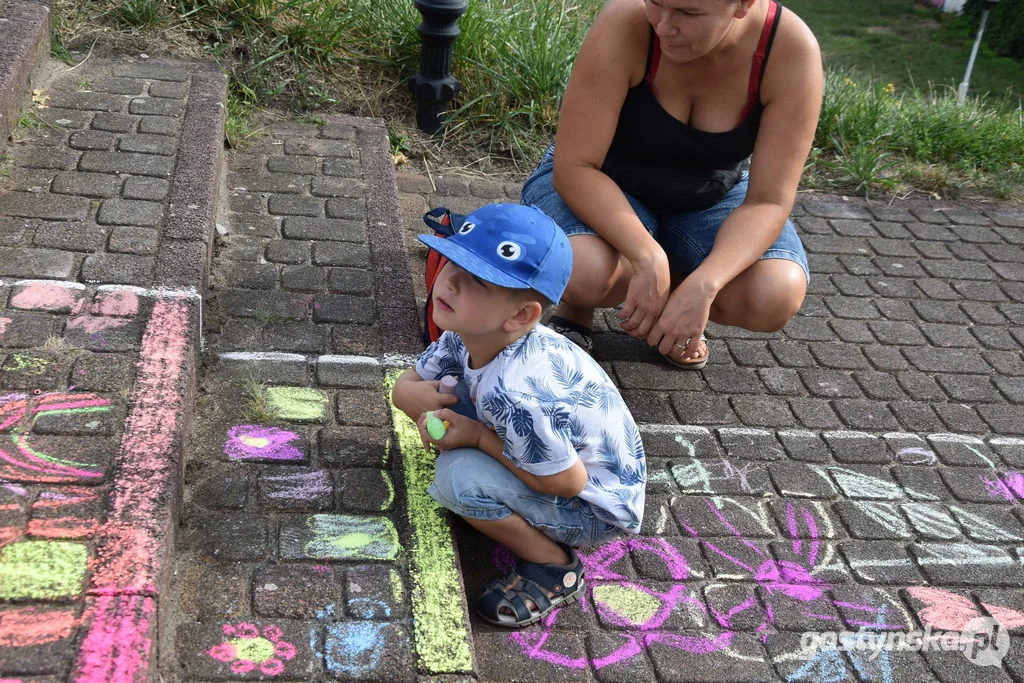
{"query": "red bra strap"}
pixel 771 23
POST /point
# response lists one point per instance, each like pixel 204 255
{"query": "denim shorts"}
pixel 472 484
pixel 686 237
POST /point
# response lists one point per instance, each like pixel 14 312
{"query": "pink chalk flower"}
pixel 247 647
pixel 253 442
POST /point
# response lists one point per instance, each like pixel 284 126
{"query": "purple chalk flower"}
pixel 253 442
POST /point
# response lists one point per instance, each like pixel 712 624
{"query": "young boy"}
pixel 554 459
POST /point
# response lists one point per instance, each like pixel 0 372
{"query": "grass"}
pixel 257 408
pixel 890 123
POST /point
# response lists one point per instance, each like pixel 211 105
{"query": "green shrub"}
pixel 1004 29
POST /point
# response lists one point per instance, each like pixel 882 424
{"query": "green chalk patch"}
pixel 441 628
pixel 299 404
pixel 342 537
pixel 635 605
pixel 42 569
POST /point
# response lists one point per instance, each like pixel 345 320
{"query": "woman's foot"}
pixel 580 335
pixel 694 360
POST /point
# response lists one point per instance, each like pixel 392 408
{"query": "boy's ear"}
pixel 525 316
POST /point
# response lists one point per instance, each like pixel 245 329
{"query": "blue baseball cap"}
pixel 509 245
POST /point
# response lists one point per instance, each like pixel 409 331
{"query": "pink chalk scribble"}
pixel 1009 486
pixel 640 612
pixel 25 463
pixel 247 647
pixel 43 296
pixel 120 302
pixel 253 442
pixel 94 324
pixel 949 611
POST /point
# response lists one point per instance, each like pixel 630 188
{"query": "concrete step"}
pixel 25 27
pixel 107 203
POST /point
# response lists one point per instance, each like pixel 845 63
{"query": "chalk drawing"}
pixel 42 569
pixel 1008 486
pixel 121 613
pixel 298 404
pixel 962 555
pixel 48 296
pixel 343 537
pixel 247 647
pixel 983 528
pixel 948 611
pixel 116 303
pixel 18 413
pixel 26 365
pixel 859 485
pixel 441 632
pixel 299 486
pixel 253 442
pixel 699 477
pixel 94 324
pixel 355 650
pixel 931 520
pixel 32 626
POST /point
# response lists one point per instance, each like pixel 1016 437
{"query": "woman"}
pixel 648 174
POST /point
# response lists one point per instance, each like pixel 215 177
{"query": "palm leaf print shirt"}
pixel 551 403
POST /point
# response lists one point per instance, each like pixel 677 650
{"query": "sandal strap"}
pixel 553 577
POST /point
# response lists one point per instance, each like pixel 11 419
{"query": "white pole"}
pixel 962 91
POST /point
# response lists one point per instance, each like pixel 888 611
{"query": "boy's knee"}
pixel 456 472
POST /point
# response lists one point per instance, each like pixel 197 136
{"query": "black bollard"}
pixel 434 85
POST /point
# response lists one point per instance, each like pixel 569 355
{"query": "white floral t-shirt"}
pixel 551 403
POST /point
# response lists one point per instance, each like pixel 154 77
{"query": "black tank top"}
pixel 671 166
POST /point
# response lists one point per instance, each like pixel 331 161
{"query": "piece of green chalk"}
pixel 436 427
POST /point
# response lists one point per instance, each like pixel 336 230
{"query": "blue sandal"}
pixel 531 581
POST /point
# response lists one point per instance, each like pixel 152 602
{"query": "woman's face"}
pixel 690 29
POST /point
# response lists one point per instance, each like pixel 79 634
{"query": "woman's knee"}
pixel 596 271
pixel 762 299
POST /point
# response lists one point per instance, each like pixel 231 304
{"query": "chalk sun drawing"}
pixel 247 647
pixel 20 461
pixel 253 442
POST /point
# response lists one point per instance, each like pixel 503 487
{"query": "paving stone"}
pixel 873 520
pixel 340 254
pixel 721 476
pixel 987 523
pixel 342 308
pixel 920 386
pixel 290 488
pixel 960 418
pixel 25 329
pixel 288 640
pixel 348 372
pixel 970 564
pixel 70 237
pixel 149 106
pixel 304 278
pixel 866 482
pixel 763 411
pixel 882 386
pixel 287 205
pixel 147 144
pixel 1004 419
pixel 338 537
pixel 361 408
pixel 288 251
pixel 276 304
pixel 880 562
pixel 352 208
pixel 915 416
pixel 864 414
pixel 227 536
pixel 804 445
pixel 243 275
pixel 853 447
pixel 115 123
pixel 701 517
pixel 102 371
pixel 159 125
pixel 921 483
pixel 931 521
pixel 225 487
pixel 292 164
pixel 352 446
pixel 814 413
pixel 940 312
pixel 101 185
pixel 295 337
pixel 132 240
pixel 48 654
pixel 350 281
pixel 130 212
pixel 829 383
pixel 969 388
pixel 128 163
pixel 323 229
pixel 32 205
pixel 375 592
pixel 750 444
pixel 293 591
pixel 800 480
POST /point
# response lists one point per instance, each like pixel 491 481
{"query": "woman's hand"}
pixel 679 328
pixel 461 432
pixel 645 297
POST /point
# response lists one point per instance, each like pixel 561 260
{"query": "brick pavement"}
pixel 861 468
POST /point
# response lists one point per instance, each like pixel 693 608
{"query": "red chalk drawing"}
pixel 951 612
pixel 119 302
pixel 129 553
pixel 30 626
pixel 248 647
pixel 93 324
pixel 41 296
pixel 19 461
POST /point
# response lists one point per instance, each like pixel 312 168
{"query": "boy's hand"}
pixel 462 431
pixel 426 395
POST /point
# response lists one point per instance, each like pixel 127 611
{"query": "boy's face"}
pixel 466 304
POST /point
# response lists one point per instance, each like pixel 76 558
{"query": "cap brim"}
pixel 471 263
